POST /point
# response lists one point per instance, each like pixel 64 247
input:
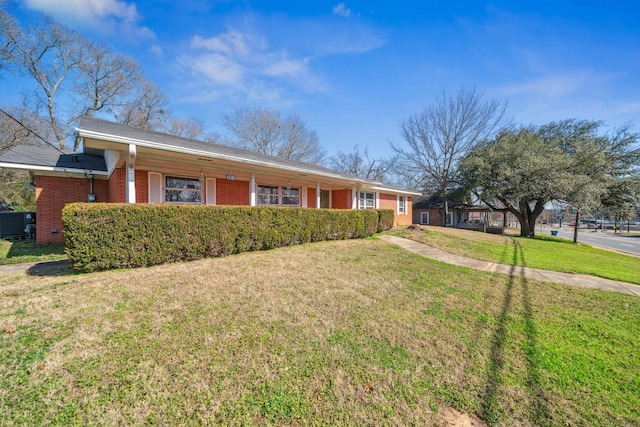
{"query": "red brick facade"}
pixel 52 193
pixel 117 187
pixel 311 197
pixel 142 186
pixel 232 192
pixel 390 201
pixel 341 199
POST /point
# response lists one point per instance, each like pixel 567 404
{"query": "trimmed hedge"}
pixel 385 219
pixel 104 236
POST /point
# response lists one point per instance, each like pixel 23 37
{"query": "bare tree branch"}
pixel 359 164
pixel 438 136
pixel 265 132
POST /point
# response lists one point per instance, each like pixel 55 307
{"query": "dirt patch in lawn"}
pixel 455 418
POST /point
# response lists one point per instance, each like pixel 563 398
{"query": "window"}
pixel 278 196
pixel 290 196
pixel 366 200
pixel 182 190
pixel 402 205
pixel 267 195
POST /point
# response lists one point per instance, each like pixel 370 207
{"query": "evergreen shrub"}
pixel 385 219
pixel 102 236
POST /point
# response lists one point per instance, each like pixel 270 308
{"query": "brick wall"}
pixel 52 193
pixel 341 199
pixel 311 197
pixel 118 186
pixel 232 192
pixel 142 186
pixel 390 201
pixel 434 216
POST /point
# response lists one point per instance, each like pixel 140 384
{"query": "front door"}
pixel 324 199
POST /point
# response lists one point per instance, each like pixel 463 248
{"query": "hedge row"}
pixel 104 236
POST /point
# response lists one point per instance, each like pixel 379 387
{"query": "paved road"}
pixel 617 242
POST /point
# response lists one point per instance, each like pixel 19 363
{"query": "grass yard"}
pixel 331 333
pixel 16 252
pixel 546 252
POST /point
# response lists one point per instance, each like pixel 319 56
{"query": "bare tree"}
pixel 47 53
pixel 74 77
pixel 190 127
pixel 358 163
pixel 10 27
pixel 265 132
pixel 439 135
pixel 106 79
pixel 21 126
pixel 145 109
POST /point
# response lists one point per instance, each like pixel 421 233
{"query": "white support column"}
pixel 252 190
pixel 318 195
pixel 131 174
pixel 354 198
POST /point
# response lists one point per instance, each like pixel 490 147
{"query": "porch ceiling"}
pixel 158 160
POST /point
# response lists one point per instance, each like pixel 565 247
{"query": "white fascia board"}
pixel 395 191
pixel 165 147
pixel 51 169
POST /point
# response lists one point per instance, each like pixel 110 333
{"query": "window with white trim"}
pixel 278 196
pixel 402 205
pixel 366 200
pixel 182 190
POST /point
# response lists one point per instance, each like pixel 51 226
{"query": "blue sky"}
pixel 353 70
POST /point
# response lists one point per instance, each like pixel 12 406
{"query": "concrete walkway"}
pixel 582 280
pixel 42 268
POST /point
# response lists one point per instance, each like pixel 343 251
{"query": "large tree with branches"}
pixel 71 76
pixel 439 135
pixel 571 161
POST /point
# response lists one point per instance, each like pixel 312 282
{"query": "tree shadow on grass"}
pixel 490 405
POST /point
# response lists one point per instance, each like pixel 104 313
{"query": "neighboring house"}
pixel 428 210
pixel 125 164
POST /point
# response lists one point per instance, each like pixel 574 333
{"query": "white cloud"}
pixel 105 15
pixel 242 65
pixel 215 68
pixel 287 67
pixel 231 43
pixel 257 58
pixel 156 49
pixel 341 10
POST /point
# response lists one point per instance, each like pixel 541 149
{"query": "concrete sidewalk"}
pixel 42 268
pixel 582 280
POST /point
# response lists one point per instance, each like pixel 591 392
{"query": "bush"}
pixel 104 236
pixel 385 219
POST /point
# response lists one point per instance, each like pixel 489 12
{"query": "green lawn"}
pixel 332 333
pixel 16 252
pixel 546 252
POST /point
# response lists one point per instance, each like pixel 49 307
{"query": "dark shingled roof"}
pixel 435 201
pixel 47 156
